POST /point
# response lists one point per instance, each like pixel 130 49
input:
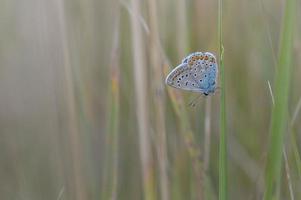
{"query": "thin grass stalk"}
pixel 207 141
pixel 293 139
pixel 60 195
pixel 158 95
pixel 241 158
pixel 207 130
pixel 296 112
pixel 72 113
pixel 142 111
pixel 296 153
pixel 271 93
pixel 288 176
pixel 114 122
pixel 289 181
pixel 280 111
pixel 223 193
pixel 183 48
pixel 180 108
pixel 111 169
pixel 182 28
pixel 291 121
pixel 187 134
pixel 296 158
pixel 268 31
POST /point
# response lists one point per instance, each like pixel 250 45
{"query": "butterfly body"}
pixel 197 73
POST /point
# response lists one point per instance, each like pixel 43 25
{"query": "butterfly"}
pixel 197 73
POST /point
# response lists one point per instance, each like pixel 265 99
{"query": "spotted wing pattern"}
pixel 181 77
pixel 197 72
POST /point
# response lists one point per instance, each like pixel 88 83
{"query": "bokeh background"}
pixel 85 114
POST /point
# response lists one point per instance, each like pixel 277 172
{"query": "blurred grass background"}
pixel 85 114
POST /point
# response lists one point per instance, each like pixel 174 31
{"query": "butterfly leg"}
pixel 195 101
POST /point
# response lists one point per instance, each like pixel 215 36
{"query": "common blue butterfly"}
pixel 197 73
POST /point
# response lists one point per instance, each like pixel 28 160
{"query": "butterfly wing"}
pixel 182 78
pixel 205 71
pixel 197 72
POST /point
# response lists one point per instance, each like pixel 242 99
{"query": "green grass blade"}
pixel 110 180
pixel 158 100
pixel 279 113
pixel 223 137
pixel 293 139
pixel 142 110
pixel 295 150
pixel 188 136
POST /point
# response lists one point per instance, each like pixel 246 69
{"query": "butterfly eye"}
pixel 202 57
pixel 206 57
